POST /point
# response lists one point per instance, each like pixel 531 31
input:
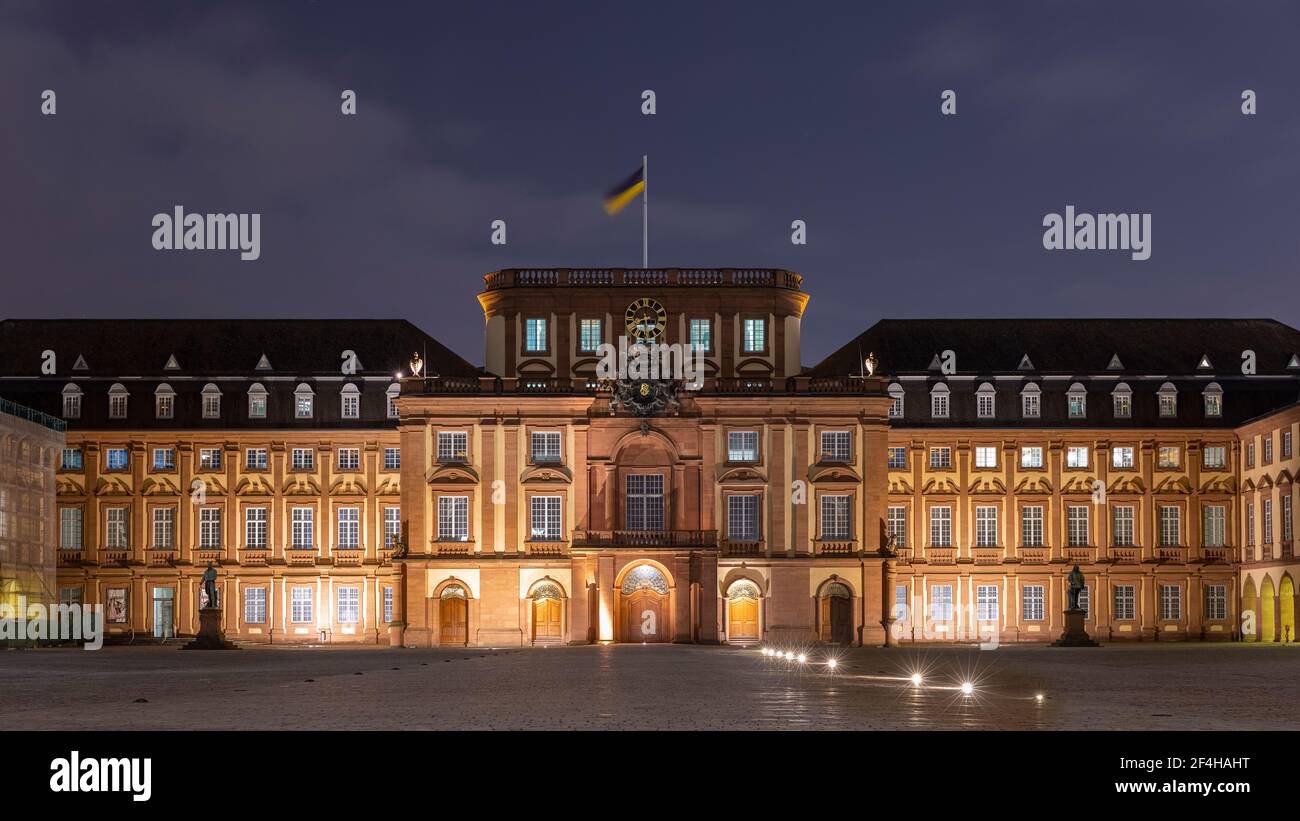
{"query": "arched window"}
pixel 117 396
pixel 1213 396
pixel 453 591
pixel 1122 399
pixel 939 401
pixel 394 390
pixel 836 590
pixel 1031 404
pixel 643 577
pixel 351 402
pixel 164 401
pixel 547 591
pixel 1168 398
pixel 743 589
pixel 211 401
pixel 896 394
pixel 71 401
pixel 257 401
pixel 985 404
pixel 304 401
pixel 1077 397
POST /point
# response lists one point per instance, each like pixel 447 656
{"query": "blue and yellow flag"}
pixel 626 191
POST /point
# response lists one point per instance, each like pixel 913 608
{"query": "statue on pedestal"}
pixel 210 587
pixel 1076 584
pixel 1075 634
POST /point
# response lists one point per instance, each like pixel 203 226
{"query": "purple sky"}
pixel 528 112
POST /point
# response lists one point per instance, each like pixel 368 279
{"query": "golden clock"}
pixel 645 319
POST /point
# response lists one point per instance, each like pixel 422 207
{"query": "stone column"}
pixel 889 580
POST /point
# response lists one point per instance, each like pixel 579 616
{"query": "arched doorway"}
pixel 453 615
pixel 1267 611
pixel 644 605
pixel 1286 608
pixel 548 613
pixel 837 614
pixel 742 612
pixel 1249 605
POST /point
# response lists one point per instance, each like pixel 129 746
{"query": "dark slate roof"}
pixel 1070 346
pixel 220 347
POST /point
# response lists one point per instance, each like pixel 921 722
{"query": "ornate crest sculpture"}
pixel 644 397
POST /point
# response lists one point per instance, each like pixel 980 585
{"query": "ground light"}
pixel 967 688
pixel 803 659
pixel 831 664
pixel 916 679
pixel 789 656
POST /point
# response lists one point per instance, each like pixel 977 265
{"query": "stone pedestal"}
pixel 210 637
pixel 1075 635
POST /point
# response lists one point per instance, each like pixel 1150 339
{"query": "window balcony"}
pixel 988 554
pixel 300 556
pixel 1217 553
pixel 835 547
pixel 348 556
pixel 1125 555
pixel 160 556
pixel 542 547
pixel 941 555
pixel 203 555
pixel 743 548
pixel 70 558
pixel 1033 555
pixel 113 556
pixel 1081 555
pixel 1168 553
pixel 254 555
pixel 450 547
pixel 704 539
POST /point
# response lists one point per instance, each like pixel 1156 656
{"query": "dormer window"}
pixel 164 399
pixel 351 402
pixel 896 407
pixel 71 402
pixel 257 401
pixel 304 402
pixel 1122 397
pixel 1031 401
pixel 985 405
pixel 1168 399
pixel 211 401
pixel 394 390
pixel 939 401
pixel 117 397
pixel 1078 401
pixel 1213 396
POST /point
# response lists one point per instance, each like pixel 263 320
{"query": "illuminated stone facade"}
pixel 30 443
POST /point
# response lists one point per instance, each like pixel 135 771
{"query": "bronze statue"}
pixel 210 586
pixel 1075 580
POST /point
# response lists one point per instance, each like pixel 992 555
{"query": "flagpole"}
pixel 645 211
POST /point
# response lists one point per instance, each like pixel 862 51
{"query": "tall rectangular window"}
pixel 701 335
pixel 453 446
pixel 1121 529
pixel 1171 526
pixel 1168 405
pixel 72 405
pixel 304 405
pixel 535 337
pixel 1031 526
pixel 986 526
pixel 349 601
pixel 1085 601
pixel 165 405
pixel 940 526
pixel 984 405
pixel 392 458
pixel 1123 405
pixel 1213 405
pixel 1268 448
pixel 300 605
pixel 742 518
pixel 257 404
pixel 1216 602
pixel 115 530
pixel 897 525
pixel 349 528
pixel 901 606
pixel 164 528
pixel 837 446
pixel 754 335
pixel 255 527
pixel 388 604
pixel 1250 524
pixel 645 501
pixel 303 528
pixel 941 602
pixel 742 446
pixel 1287 531
pixel 117 405
pixel 986 602
pixel 939 405
pixel 545 524
pixel 1215 531
pixel 546 446
pixel 392 526
pixel 70 528
pixel 1078 405
pixel 1125 602
pixel 589 335
pixel 211 406
pixel 1077 519
pixel 1032 602
pixel 1171 602
pixel 1029 405
pixel 1287 448
pixel 255 605
pixel 837 517
pixel 453 518
pixel 350 405
pixel 1268 521
pixel 210 528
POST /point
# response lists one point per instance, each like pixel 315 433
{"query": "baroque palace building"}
pixel 933 480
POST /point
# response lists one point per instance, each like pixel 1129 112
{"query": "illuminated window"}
pixel 837 517
pixel 453 518
pixel 545 522
pixel 1032 602
pixel 1031 526
pixel 742 518
pixel 1125 602
pixel 349 601
pixel 589 335
pixel 1171 602
pixel 300 608
pixel 535 335
pixel 351 402
pixel 1122 526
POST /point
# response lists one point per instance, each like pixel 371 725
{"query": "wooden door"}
pixel 453 616
pixel 742 619
pixel 546 620
pixel 645 617
pixel 840 620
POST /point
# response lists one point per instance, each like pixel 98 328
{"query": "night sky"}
pixel 767 113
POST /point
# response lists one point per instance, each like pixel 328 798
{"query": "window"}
pixel 210 527
pixel 1031 526
pixel 1122 398
pixel 1171 529
pixel 1032 599
pixel 1122 525
pixel 390 397
pixel 1214 532
pixel 589 335
pixel 163 528
pixel 304 402
pixel 986 526
pixel 349 533
pixel 742 446
pixel 940 457
pixel 896 524
pixel 645 502
pixel 453 518
pixel 837 519
pixel 1286 519
pixel 1076 457
pixel 900 602
pixel 1214 457
pixel 1031 457
pixel 1168 399
pixel 1077 398
pixel 392 527
pixel 985 407
pixel 896 394
pixel 1250 523
pixel 546 519
pixel 255 459
pixel 535 336
pixel 388 604
pixel 941 602
pixel 70 528
pixel 349 458
pixel 837 446
pixel 72 402
pixel 164 458
pixel 1216 602
pixel 303 527
pixel 164 402
pixel 1286 444
pixel 300 605
pixel 754 335
pixel 1250 454
pixel 898 458
pixel 255 605
pixel 1121 457
pixel 1171 602
pixel 116 459
pixel 71 459
pixel 986 457
pixel 701 338
pixel 452 446
pixel 742 518
pixel 986 602
pixel 115 530
pixel 1169 458
pixel 304 458
pixel 255 527
pixel 209 458
pixel 211 401
pixel 257 402
pixel 392 458
pixel 1125 602
pixel 350 402
pixel 117 397
pixel 939 402
pixel 1268 521
pixel 1268 449
pixel 1030 402
pixel 1077 530
pixel 349 605
pixel 940 526
pixel 1085 601
pixel 1213 397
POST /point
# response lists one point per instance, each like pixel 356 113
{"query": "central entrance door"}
pixel 645 612
pixel 547 611
pixel 453 615
pixel 837 614
pixel 742 613
pixel 164 612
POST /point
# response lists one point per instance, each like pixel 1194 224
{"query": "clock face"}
pixel 646 319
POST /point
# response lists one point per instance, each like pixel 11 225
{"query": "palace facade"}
pixel 933 480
